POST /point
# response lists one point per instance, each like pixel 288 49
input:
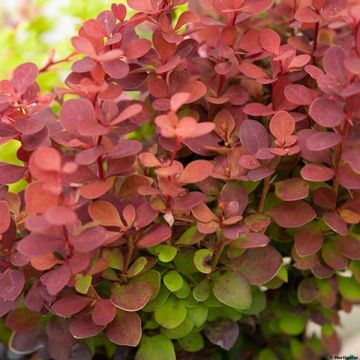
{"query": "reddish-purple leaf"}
pixel 156 235
pixel 348 178
pixel 104 312
pixel 251 240
pixel 348 246
pixel 258 265
pixel 137 48
pixel 83 45
pixel 307 15
pixel 10 174
pixel 117 69
pixel 4 216
pixel 317 173
pixel 323 141
pixel 333 63
pixel 326 112
pixel 299 94
pixel 253 136
pixel 252 71
pixel 56 280
pixel 84 327
pixel 234 199
pixel 141 5
pixel 89 239
pixel 127 113
pixel 60 215
pixel 292 214
pixel 36 245
pixel 75 111
pixel 352 157
pixel 254 7
pixel 335 222
pixel 125 330
pixel 22 320
pixel 292 189
pixel 24 76
pixel 132 297
pixel 308 240
pixel 223 333
pixel 70 305
pixel 11 284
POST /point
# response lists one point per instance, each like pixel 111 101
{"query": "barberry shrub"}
pixel 189 194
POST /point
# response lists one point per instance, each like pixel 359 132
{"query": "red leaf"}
pixel 335 222
pixel 326 112
pixel 308 240
pixel 75 111
pixel 137 48
pixel 251 240
pixel 24 76
pixel 4 216
pixel 70 305
pixel 252 71
pixel 10 174
pixel 22 320
pixel 307 15
pixel 317 173
pixel 282 125
pixel 292 214
pixel 117 69
pixel 196 89
pixel 11 284
pixel 57 279
pixel 254 7
pixel 141 5
pixel 323 141
pixel 127 113
pixel 83 45
pixel 89 239
pixel 258 265
pixel 96 189
pixel 156 235
pixel 83 328
pixel 300 94
pixel 253 136
pixel 105 213
pixel 104 312
pixel 196 171
pixel 292 189
pixel 333 63
pixel 125 330
pixel 36 245
pixel 270 41
pixel 132 297
pixel 59 215
pixel 348 246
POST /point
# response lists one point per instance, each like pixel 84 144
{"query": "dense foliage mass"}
pixel 191 195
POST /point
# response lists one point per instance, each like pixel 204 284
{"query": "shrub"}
pixel 195 194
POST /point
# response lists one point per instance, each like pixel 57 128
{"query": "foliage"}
pixel 170 180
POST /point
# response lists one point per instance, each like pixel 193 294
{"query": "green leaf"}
pixel 189 237
pixel 114 257
pixel 137 266
pixel 166 253
pixel 173 281
pixel 232 289
pixel 157 347
pixel 349 288
pixel 267 354
pixel 152 278
pixel 202 260
pixel 158 300
pixel 180 331
pixel 184 292
pixel 198 314
pixel 202 290
pixel 82 283
pixel 258 303
pixel 171 313
pixel 192 342
pixel 184 261
pixel 292 324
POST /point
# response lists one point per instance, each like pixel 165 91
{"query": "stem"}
pixel 51 61
pixel 315 38
pixel 100 162
pixel 175 150
pixel 264 193
pixel 131 247
pixel 219 249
